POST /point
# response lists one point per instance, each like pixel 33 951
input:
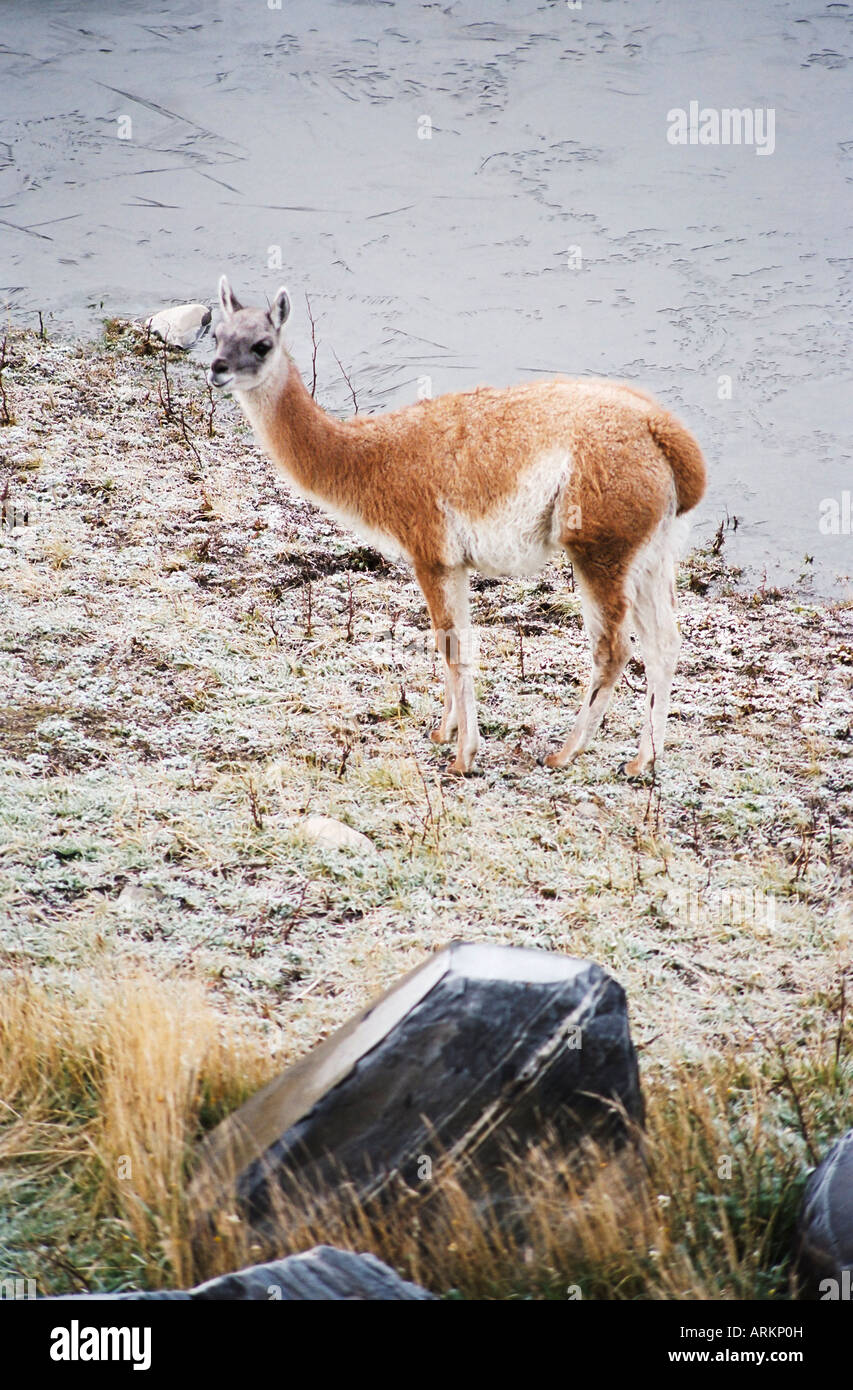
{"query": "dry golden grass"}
pixel 110 1088
pixel 59 552
pixel 703 1207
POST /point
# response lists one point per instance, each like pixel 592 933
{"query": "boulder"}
pixel 320 1275
pixel 181 326
pixel 824 1257
pixel 481 1048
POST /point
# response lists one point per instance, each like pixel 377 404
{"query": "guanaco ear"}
pixel 227 299
pixel 280 308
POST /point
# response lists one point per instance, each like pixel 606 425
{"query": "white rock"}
pixel 181 326
pixel 135 897
pixel 325 830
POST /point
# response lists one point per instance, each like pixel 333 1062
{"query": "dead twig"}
pixel 166 402
pixel 520 630
pixel 798 1105
pixel 430 822
pixel 211 411
pixel 254 803
pixel 297 912
pixel 348 382
pixel 842 1017
pixel 173 413
pixel 719 539
pixel 314 346
pixel 273 627
pixel 346 745
pixel 187 435
pixel 6 416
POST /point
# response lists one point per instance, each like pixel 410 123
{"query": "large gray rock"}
pixel 825 1228
pixel 322 1274
pixel 479 1046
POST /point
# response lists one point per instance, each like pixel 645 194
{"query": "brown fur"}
pixel 684 457
pixel 468 450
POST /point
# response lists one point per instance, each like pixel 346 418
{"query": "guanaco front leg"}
pixel 447 597
pixel 449 722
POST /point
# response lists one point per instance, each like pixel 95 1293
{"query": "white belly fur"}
pixel 522 534
pixel 519 537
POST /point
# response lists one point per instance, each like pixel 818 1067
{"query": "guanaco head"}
pixel 249 346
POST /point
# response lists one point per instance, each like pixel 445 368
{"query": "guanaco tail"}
pixel 496 481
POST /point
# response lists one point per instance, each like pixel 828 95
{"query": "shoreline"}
pixel 719 533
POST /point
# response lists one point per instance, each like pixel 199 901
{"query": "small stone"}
pixel 325 830
pixel 135 897
pixel 180 326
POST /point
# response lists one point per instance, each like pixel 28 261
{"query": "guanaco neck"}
pixel 331 459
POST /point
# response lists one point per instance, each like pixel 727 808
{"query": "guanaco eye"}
pixel 262 348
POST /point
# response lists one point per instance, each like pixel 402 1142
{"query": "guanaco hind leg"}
pixel 605 616
pixel 642 598
pixel 656 625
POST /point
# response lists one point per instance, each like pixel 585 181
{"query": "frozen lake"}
pixel 473 192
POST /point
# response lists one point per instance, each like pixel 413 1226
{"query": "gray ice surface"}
pixel 452 258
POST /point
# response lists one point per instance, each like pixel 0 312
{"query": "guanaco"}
pixel 496 481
